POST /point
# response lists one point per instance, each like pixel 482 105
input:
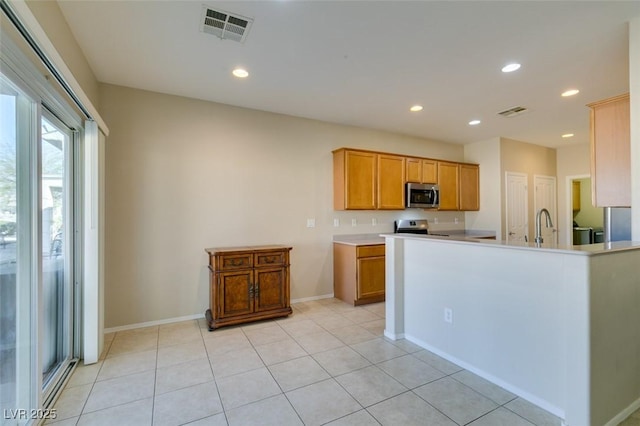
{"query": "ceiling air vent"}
pixel 225 25
pixel 512 112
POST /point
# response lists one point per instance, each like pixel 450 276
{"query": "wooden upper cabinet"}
pixel 414 170
pixel 354 180
pixel 611 152
pixel 420 170
pixel 367 180
pixel 448 180
pixel 429 171
pixel 469 187
pixel 391 173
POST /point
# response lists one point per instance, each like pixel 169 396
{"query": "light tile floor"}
pixel 328 363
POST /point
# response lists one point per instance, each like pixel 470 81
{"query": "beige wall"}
pixel 521 157
pixel 183 175
pixel 53 23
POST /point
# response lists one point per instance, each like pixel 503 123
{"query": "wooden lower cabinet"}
pixel 247 284
pixel 358 273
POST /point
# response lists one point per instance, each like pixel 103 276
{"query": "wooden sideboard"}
pixel 247 284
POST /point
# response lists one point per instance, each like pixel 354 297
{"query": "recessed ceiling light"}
pixel 240 73
pixel 570 92
pixel 474 122
pixel 510 67
pixel 416 108
pixel 567 135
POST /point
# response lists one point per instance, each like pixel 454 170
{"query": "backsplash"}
pixel 365 222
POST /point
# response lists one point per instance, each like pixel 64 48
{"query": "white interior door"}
pixel 516 210
pixel 545 197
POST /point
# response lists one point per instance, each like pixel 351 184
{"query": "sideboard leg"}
pixel 209 318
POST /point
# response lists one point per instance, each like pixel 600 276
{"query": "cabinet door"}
pixel 420 170
pixel 270 289
pixel 414 170
pixel 611 152
pixel 390 182
pixel 448 182
pixel 360 180
pixel 429 171
pixel 469 187
pixel 370 273
pixel 234 293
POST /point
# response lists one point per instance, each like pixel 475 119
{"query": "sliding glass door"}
pixel 18 255
pixel 37 252
pixel 56 217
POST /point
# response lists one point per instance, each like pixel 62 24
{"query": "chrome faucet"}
pixel 538 238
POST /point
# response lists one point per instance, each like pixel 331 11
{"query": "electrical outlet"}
pixel 435 220
pixel 448 315
pixel 354 222
pixel 336 222
pixel 374 221
pixel 455 220
pixel 311 223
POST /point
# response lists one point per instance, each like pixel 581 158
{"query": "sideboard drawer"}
pixel 275 258
pixel 236 261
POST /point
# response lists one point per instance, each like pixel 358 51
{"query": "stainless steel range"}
pixel 408 226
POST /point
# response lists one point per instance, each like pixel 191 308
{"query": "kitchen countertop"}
pixel 464 233
pixel 359 239
pixel 373 239
pixel 585 250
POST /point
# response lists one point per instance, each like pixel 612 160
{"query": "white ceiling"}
pixel 364 63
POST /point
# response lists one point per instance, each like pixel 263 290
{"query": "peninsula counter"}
pixel 557 326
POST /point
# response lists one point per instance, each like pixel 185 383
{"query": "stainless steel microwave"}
pixel 423 195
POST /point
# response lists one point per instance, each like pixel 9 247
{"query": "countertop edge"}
pixel 359 239
pixel 584 250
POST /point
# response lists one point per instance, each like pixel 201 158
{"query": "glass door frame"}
pixel 31 107
pixel 71 226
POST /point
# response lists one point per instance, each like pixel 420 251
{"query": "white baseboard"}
pixel 619 418
pixel 393 336
pixel 308 299
pixel 153 323
pixel 192 317
pixel 545 405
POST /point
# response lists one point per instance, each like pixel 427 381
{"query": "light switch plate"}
pixel 336 222
pixel 311 223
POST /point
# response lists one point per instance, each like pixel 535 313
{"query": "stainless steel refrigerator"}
pixel 617 224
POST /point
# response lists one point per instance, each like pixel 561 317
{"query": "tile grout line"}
pixel 308 315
